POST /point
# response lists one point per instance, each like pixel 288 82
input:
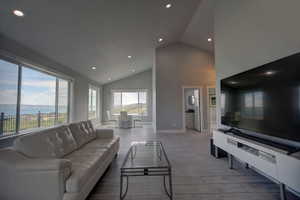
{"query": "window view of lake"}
pixel 10 109
pixel 39 97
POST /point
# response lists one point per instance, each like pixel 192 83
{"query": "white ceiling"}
pixel 200 27
pixel 102 33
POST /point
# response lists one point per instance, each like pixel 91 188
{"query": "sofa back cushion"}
pixel 90 127
pixel 51 143
pixel 82 133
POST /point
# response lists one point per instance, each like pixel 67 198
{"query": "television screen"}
pixel 265 100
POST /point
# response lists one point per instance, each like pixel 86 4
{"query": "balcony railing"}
pixel 29 121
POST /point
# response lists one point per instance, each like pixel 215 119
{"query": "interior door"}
pixel 197 118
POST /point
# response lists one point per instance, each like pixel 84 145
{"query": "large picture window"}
pixel 93 107
pixel 134 102
pixel 8 96
pixel 30 99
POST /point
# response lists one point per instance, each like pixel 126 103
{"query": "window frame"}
pixel 21 63
pixel 138 90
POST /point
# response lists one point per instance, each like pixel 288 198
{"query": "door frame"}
pixel 208 102
pixel 200 105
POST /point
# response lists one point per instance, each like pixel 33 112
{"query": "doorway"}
pixel 192 109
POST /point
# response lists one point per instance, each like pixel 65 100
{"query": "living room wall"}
pixel 179 65
pixel 142 80
pixel 251 33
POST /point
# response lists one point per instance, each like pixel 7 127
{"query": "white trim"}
pixel 208 105
pixel 200 105
pixel 171 131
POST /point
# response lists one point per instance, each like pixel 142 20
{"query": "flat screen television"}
pixel 265 100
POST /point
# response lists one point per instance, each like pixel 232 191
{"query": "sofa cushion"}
pixel 51 143
pixel 85 151
pixel 85 163
pixel 81 133
pixel 69 143
pixel 103 143
pixel 90 127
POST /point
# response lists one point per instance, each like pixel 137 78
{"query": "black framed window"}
pixel 31 98
pixel 133 101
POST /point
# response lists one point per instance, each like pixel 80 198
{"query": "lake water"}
pixel 9 109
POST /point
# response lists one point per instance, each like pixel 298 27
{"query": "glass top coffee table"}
pixel 146 158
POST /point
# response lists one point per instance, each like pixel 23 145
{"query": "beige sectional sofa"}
pixel 62 163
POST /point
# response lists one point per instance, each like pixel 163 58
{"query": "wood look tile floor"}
pixel 196 174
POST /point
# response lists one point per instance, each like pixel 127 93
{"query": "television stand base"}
pixel 271 162
pixel 282 186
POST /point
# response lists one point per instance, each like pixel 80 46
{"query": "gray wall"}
pixel 79 110
pixel 179 65
pixel 251 33
pixel 141 80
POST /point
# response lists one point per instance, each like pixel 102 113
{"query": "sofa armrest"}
pixel 104 133
pixel 34 179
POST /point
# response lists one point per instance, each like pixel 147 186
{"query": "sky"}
pixel 37 88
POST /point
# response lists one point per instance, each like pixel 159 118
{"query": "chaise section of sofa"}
pixel 62 163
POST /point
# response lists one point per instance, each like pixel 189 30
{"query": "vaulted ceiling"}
pixel 103 33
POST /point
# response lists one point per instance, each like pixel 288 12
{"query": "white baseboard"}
pixel 171 131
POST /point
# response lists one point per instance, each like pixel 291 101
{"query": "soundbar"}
pixel 289 149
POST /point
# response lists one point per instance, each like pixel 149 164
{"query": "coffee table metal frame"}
pixel 164 171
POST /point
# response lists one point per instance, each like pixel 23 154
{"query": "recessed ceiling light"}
pixel 168 5
pixel 160 39
pixel 269 73
pixel 209 39
pixel 233 82
pixel 18 13
pixel 94 68
pixel 129 57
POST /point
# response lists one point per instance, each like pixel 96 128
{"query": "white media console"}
pixel 271 161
